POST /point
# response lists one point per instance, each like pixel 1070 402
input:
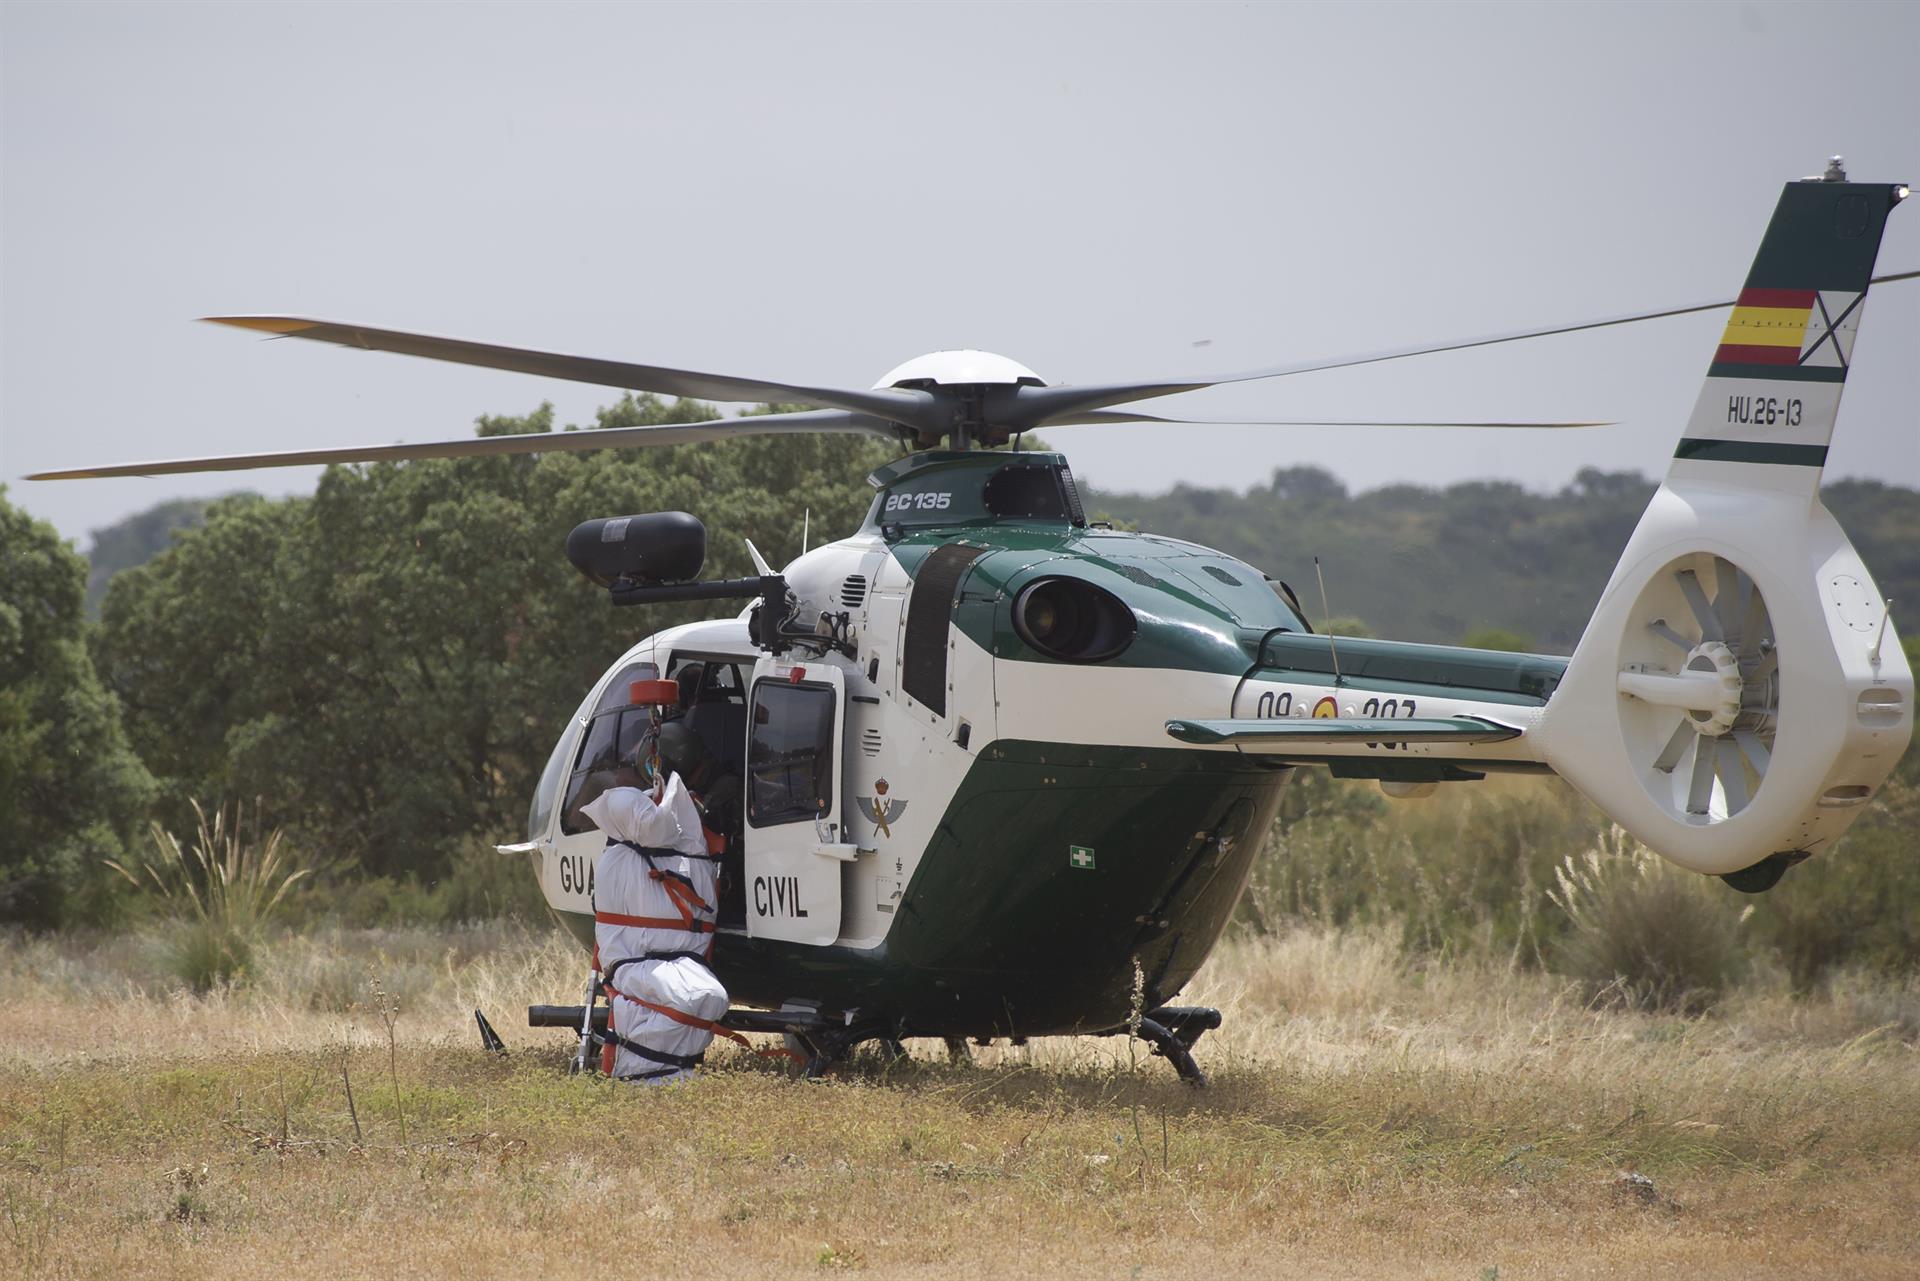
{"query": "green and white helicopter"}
pixel 1001 764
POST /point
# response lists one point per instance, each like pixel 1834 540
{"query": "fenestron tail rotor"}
pixel 1701 678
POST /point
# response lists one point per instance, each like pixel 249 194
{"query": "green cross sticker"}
pixel 1080 856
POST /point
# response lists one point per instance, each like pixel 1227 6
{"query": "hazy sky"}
pixel 817 192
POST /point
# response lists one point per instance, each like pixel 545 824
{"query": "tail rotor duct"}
pixel 1701 673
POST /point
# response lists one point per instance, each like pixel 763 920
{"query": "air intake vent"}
pixel 870 741
pixel 853 591
pixel 1075 512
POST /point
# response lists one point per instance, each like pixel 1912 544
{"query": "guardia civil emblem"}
pixel 880 810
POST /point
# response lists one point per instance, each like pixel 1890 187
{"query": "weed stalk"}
pixel 388 1007
pixel 346 1052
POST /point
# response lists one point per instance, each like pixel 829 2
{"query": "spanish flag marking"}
pixel 1768 327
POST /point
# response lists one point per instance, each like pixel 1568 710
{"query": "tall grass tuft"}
pixel 224 888
pixel 1645 933
pixel 1466 871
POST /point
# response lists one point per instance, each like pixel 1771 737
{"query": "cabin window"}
pixel 540 813
pixel 713 701
pixel 1026 490
pixel 790 753
pixel 613 732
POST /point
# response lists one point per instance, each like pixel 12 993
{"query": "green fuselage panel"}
pixel 1056 869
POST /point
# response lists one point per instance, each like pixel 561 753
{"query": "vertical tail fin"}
pixel 1773 390
pixel 1732 703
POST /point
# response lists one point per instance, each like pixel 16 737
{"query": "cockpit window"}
pixel 615 729
pixel 540 813
pixel 1029 490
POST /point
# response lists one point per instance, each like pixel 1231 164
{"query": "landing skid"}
pixel 822 1042
pixel 1172 1031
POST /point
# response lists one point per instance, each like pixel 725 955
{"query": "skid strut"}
pixel 1172 1031
pixel 823 1041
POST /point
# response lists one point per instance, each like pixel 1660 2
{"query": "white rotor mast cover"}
pixel 960 368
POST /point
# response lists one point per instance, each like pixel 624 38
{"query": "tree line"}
pixel 386 663
pixel 1440 564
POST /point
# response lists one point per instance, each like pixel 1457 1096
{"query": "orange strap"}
pixel 655 922
pixel 692 1020
pixel 684 896
pixel 716 842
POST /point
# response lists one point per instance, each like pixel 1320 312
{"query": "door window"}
pixel 790 753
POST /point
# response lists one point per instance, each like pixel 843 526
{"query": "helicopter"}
pixel 1006 769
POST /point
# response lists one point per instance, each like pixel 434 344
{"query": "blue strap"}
pixel 606 975
pixel 651 852
pixel 674 1062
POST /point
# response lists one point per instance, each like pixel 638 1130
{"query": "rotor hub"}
pixel 964 368
pixel 1716 659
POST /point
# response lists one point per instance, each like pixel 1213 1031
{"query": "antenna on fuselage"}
pixel 760 565
pixel 1326 616
pixel 1886 612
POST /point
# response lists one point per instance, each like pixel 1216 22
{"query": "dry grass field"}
pixel 1367 1118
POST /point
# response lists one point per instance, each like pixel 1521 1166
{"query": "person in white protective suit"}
pixel 653 900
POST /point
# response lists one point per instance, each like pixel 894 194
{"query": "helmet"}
pixel 681 750
pixel 690 678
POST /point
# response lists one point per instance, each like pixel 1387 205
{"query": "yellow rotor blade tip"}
pixel 266 324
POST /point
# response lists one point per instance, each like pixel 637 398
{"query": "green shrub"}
pixel 1644 932
pixel 481 885
pixel 1498 638
pixel 224 890
pixel 1465 870
pixel 1857 904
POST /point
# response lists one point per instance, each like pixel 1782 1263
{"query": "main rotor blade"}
pixel 1029 407
pixel 891 403
pixel 811 421
pixel 1093 417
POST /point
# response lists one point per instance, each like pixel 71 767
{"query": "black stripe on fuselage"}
pixel 1751 451
pixel 1780 373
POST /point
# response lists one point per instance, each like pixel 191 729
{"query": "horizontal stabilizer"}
pixel 1278 736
